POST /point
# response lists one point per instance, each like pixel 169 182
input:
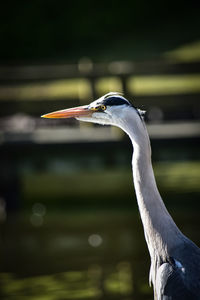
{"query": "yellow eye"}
pixel 99 108
pixel 102 107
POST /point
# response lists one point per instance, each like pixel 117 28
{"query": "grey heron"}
pixel 175 259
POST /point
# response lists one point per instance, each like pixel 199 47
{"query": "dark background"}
pixel 70 227
pixel 102 30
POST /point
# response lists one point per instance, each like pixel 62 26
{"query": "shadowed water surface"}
pixel 82 255
pixel 76 232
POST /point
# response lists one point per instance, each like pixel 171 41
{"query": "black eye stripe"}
pixel 110 101
pixel 113 101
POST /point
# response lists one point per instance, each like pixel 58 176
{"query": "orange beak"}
pixel 70 113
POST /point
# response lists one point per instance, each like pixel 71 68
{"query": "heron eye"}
pixel 99 108
pixel 102 107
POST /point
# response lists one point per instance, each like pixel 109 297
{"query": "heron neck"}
pixel 161 233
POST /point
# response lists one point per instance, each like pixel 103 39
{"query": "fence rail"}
pixel 167 90
pixel 89 69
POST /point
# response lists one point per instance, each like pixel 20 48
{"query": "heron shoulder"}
pixel 171 284
pixel 179 277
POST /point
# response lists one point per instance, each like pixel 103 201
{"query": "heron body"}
pixel 175 260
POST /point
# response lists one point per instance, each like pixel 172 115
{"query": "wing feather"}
pixel 170 284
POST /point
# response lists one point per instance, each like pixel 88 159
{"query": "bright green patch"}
pixel 164 84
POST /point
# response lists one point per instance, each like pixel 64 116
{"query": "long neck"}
pixel 161 233
pixel 159 227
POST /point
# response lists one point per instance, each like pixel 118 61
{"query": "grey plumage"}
pixel 179 276
pixel 175 260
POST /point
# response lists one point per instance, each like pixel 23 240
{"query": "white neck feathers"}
pixel 161 233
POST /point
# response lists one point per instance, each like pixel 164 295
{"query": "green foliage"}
pixel 109 187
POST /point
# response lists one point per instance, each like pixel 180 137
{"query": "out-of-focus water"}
pixel 78 255
pixel 76 231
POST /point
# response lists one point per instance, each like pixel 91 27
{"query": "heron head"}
pixel 109 109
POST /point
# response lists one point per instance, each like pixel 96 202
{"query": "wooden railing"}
pixel 168 103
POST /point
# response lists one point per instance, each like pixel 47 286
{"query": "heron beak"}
pixel 70 113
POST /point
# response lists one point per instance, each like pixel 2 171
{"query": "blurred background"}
pixel 70 227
